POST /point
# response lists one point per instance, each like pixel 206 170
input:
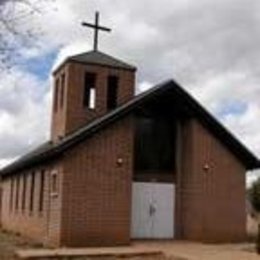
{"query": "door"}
pixel 152 210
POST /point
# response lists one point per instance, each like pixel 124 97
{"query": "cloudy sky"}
pixel 212 48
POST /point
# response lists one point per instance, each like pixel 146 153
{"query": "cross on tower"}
pixel 96 27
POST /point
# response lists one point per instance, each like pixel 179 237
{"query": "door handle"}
pixel 152 210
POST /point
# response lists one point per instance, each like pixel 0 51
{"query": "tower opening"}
pixel 90 90
pixel 112 89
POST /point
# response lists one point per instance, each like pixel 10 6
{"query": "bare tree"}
pixel 13 35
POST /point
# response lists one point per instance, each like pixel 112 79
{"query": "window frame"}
pixel 54 187
pixel 12 184
pixel 24 192
pixel 32 192
pixel 17 194
pixel 41 190
pixel 89 91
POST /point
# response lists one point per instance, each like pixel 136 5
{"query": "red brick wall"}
pixel 211 203
pixel 97 191
pixel 42 227
pixel 74 114
pixel 59 116
pixel 92 205
pixel 93 202
pixel 1 194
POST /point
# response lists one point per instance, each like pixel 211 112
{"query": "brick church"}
pixel 120 167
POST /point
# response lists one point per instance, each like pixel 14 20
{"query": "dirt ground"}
pixel 198 251
pixel 9 243
pixel 180 250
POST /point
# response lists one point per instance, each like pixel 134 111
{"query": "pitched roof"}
pixel 168 88
pixel 98 58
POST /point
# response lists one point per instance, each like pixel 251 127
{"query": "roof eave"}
pixel 250 161
pixel 71 59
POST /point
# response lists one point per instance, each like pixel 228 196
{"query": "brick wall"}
pixel 211 204
pixel 74 114
pixel 59 116
pixel 41 226
pixel 97 190
pixel 93 201
pixel 1 194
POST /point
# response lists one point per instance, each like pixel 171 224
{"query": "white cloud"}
pixel 211 48
pixel 69 50
pixel 24 113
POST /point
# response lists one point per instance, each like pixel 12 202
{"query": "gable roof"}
pixel 98 58
pixel 51 150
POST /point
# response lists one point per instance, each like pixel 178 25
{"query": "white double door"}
pixel 153 210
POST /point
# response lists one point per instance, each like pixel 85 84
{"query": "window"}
pixel 62 86
pixel 41 197
pixel 17 193
pixel 56 94
pixel 24 192
pixel 89 98
pixel 32 191
pixel 112 88
pixel 11 194
pixel 54 183
pixel 154 145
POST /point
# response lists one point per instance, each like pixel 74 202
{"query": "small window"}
pixel 54 183
pixel 17 192
pixel 89 100
pixel 32 191
pixel 56 94
pixel 24 192
pixel 41 196
pixel 112 88
pixel 62 86
pixel 11 194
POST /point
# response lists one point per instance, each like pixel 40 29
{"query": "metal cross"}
pixel 96 28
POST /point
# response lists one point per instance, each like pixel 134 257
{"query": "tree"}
pixel 14 14
pixel 254 195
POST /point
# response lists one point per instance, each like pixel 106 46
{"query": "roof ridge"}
pixel 96 58
pixel 102 59
pixel 224 135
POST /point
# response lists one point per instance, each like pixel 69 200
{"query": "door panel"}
pixel 152 210
pixel 142 226
pixel 164 218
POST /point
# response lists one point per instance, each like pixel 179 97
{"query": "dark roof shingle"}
pixel 98 58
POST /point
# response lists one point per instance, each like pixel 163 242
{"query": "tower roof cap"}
pixel 98 58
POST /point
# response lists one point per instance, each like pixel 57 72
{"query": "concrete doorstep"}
pixel 83 253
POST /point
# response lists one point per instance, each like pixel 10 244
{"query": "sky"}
pixel 209 47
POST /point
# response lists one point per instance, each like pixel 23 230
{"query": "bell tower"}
pixel 87 86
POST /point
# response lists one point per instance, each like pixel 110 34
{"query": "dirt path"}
pixel 197 251
pixel 9 243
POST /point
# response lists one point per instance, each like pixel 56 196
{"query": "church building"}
pixel 121 166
